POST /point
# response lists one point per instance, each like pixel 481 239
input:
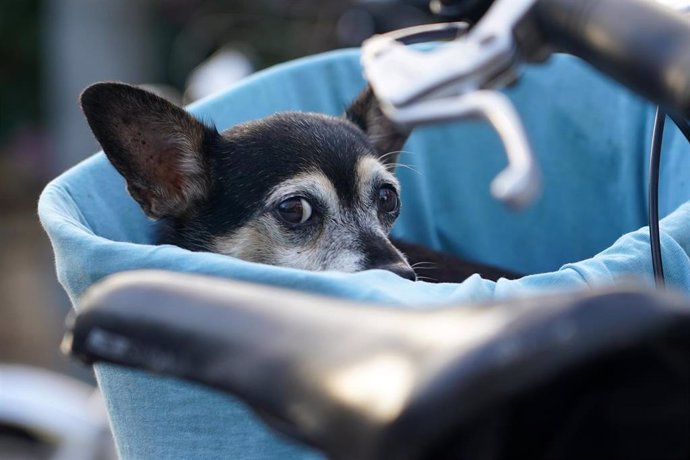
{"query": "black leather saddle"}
pixel 589 375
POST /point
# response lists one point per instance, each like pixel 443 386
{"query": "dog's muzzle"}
pixel 380 254
pixel 401 269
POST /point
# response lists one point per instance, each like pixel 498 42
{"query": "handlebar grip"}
pixel 643 45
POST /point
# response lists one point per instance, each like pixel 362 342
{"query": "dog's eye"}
pixel 295 210
pixel 388 201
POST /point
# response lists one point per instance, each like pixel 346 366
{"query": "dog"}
pixel 294 189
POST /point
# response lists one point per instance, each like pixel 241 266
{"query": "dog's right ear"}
pixel 384 135
pixel 157 146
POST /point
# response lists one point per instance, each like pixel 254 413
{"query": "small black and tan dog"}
pixel 294 189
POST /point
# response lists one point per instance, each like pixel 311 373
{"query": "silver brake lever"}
pixel 455 81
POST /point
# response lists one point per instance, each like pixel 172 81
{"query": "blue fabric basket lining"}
pixel 590 135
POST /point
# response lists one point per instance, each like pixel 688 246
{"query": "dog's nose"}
pixel 381 254
pixel 402 270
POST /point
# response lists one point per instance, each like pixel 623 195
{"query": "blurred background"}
pixel 50 51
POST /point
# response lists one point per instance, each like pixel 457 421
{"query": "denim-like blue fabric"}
pixel 591 137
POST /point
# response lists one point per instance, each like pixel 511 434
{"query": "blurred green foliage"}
pixel 19 64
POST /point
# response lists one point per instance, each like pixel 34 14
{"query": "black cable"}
pixel 654 160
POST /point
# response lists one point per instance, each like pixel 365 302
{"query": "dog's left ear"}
pixel 157 147
pixel 385 136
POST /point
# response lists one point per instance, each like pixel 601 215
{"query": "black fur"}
pixel 269 151
pixel 439 267
pixel 384 136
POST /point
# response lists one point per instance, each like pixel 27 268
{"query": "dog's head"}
pixel 294 189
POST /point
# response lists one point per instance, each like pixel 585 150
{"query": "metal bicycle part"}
pixel 480 59
pixel 455 81
pixel 520 182
pixel 489 55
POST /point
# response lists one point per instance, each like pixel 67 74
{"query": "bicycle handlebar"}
pixel 360 381
pixel 640 43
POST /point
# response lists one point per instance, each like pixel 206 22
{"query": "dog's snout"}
pixel 402 270
pixel 381 254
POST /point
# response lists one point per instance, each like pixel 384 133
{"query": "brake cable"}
pixel 653 207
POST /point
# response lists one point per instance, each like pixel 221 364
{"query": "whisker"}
pixel 403 165
pixel 424 262
pixel 394 152
pixel 426 278
pixel 386 155
pixel 423 265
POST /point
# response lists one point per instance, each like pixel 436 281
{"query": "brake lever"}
pixel 458 80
